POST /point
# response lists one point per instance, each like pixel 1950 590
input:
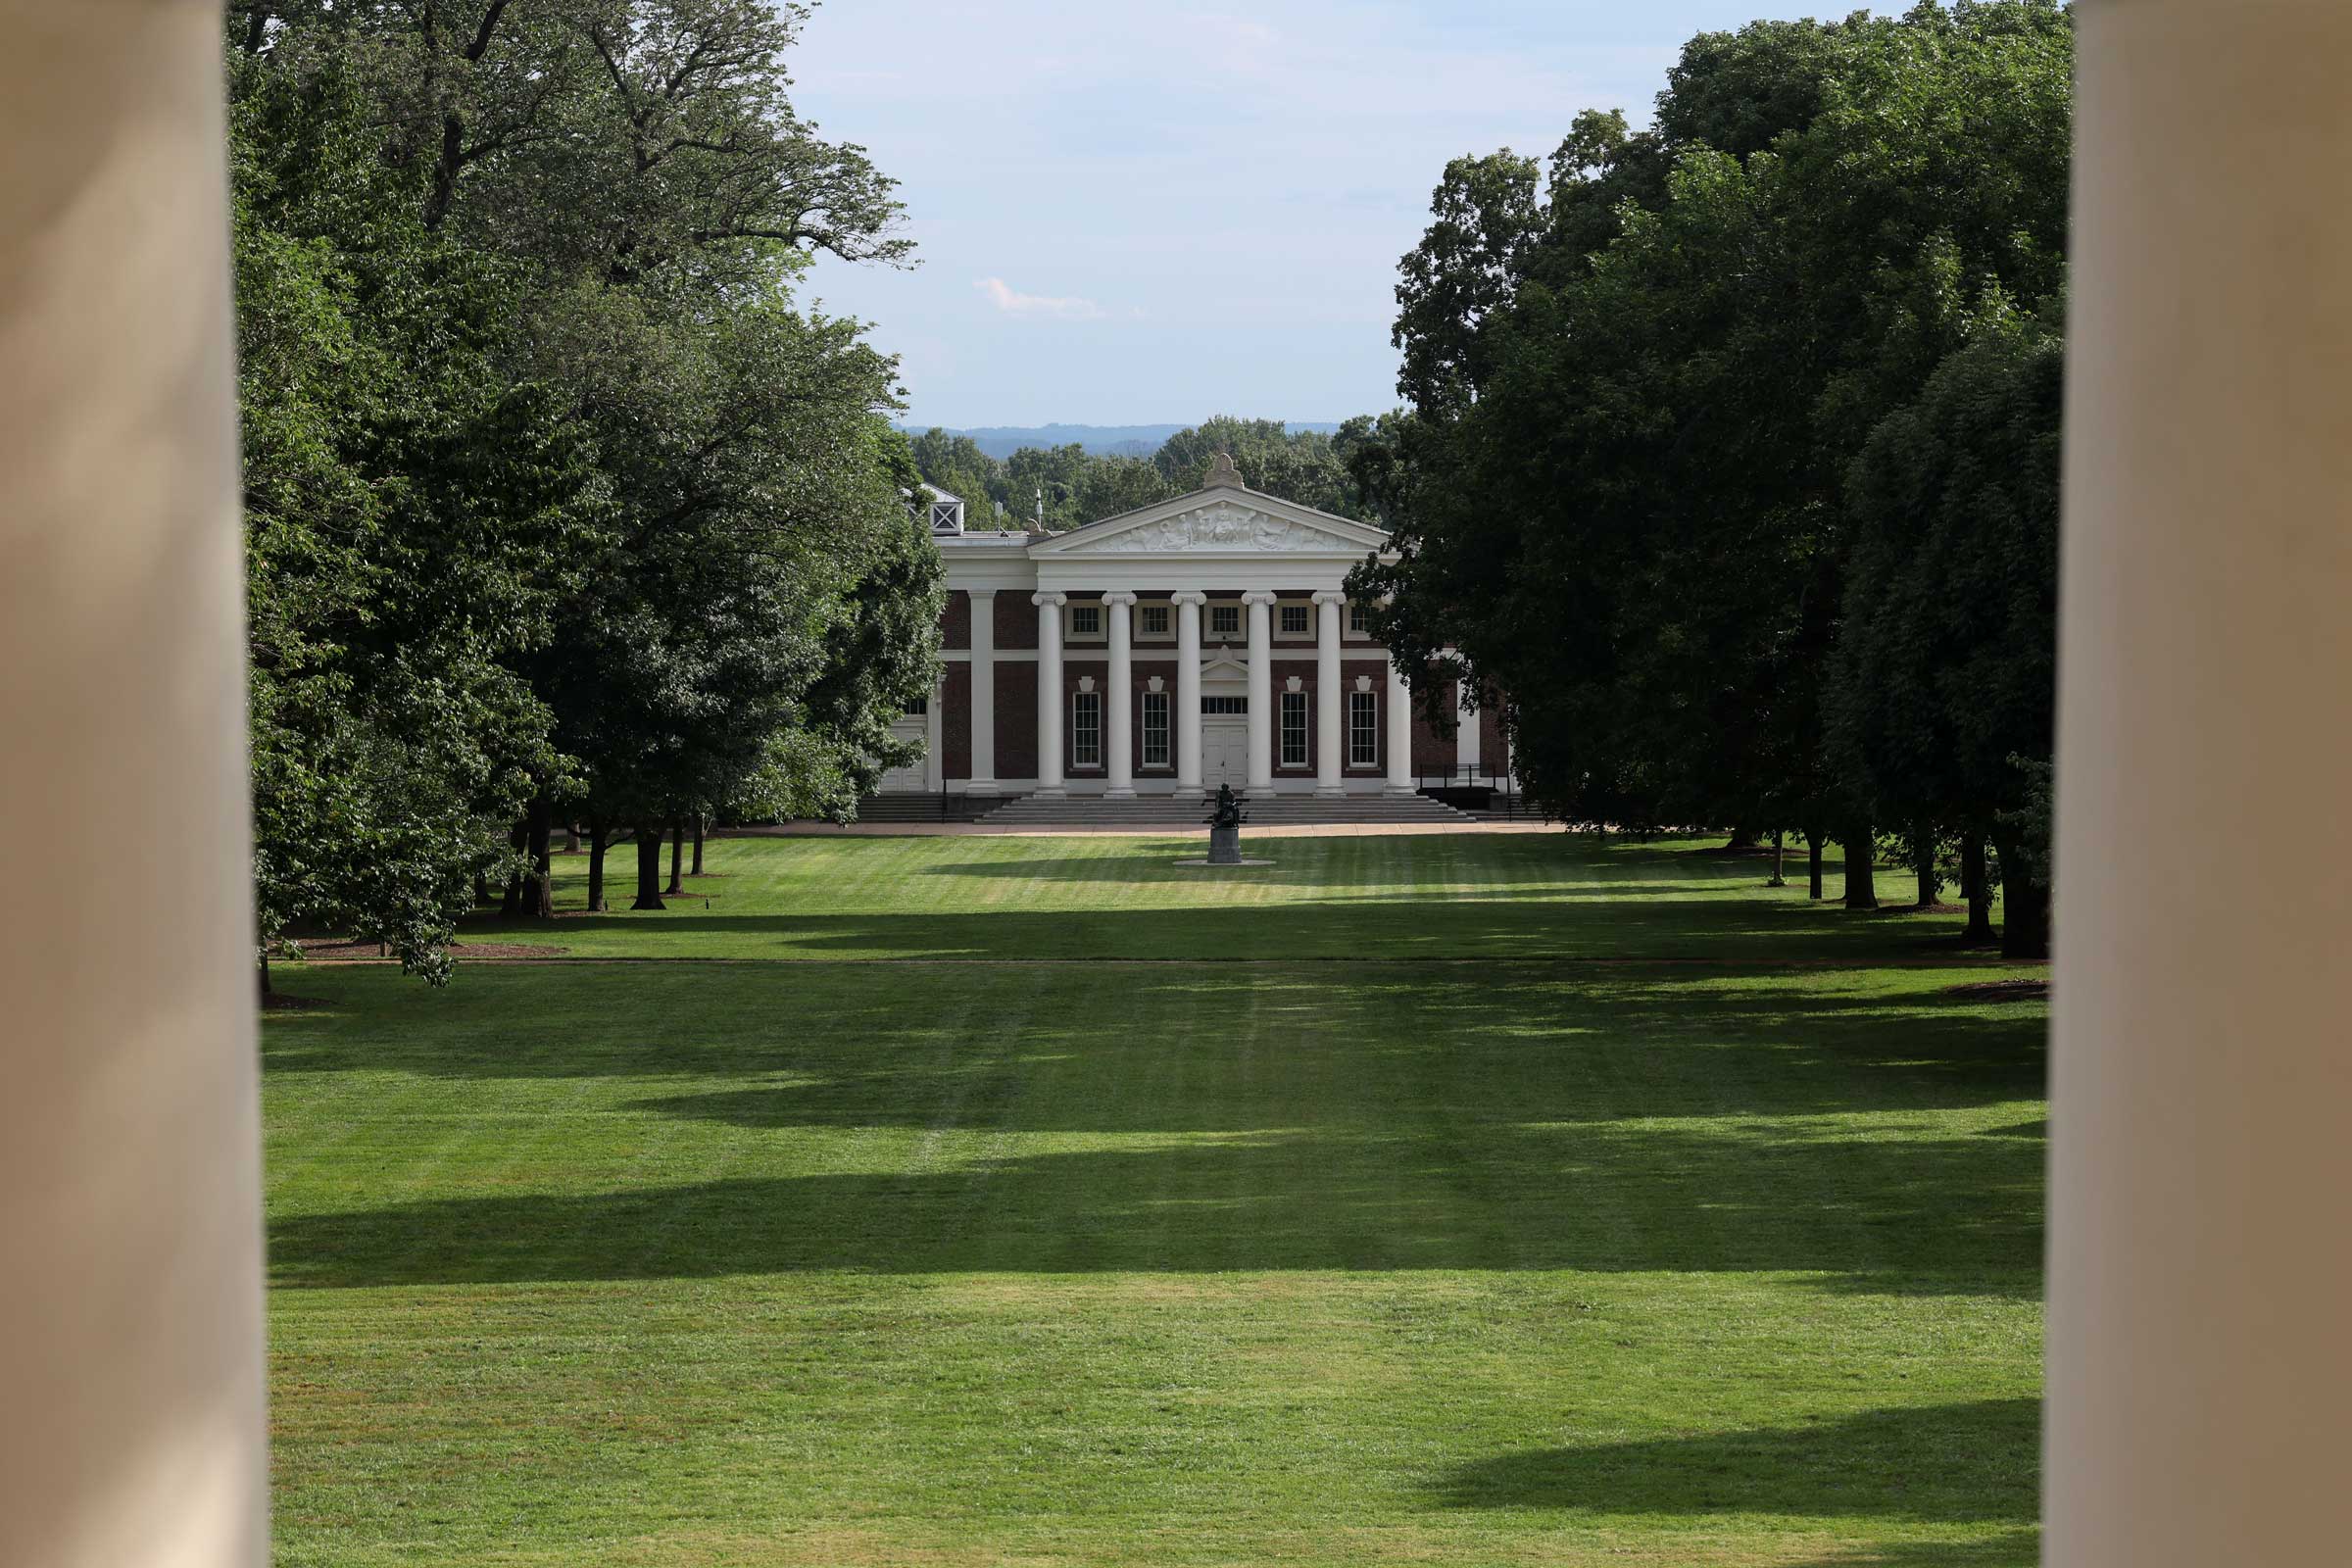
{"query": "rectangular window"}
pixel 1363 729
pixel 1225 621
pixel 1294 620
pixel 1155 620
pixel 1355 616
pixel 918 709
pixel 1156 729
pixel 1086 729
pixel 1224 704
pixel 1294 729
pixel 1086 621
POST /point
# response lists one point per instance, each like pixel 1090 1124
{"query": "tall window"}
pixel 1156 729
pixel 1225 621
pixel 1294 620
pixel 1155 619
pixel 1294 729
pixel 1363 729
pixel 1086 729
pixel 1355 616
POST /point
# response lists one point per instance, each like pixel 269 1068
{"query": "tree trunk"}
pixel 264 975
pixel 539 887
pixel 518 838
pixel 1743 838
pixel 2025 903
pixel 677 859
pixel 1923 861
pixel 1861 849
pixel 572 835
pixel 596 865
pixel 649 866
pixel 699 822
pixel 481 889
pixel 1780 858
pixel 1813 862
pixel 1976 884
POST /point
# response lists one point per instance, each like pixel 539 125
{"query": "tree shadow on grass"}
pixel 1964 1463
pixel 1897 1216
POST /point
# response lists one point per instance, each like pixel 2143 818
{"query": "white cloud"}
pixel 1013 302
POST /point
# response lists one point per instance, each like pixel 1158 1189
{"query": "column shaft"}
pixel 1260 607
pixel 984 693
pixel 1467 751
pixel 2199 1375
pixel 132 1427
pixel 1051 773
pixel 1330 703
pixel 1187 694
pixel 1118 707
pixel 1401 733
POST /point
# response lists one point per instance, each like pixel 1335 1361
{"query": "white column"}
pixel 934 768
pixel 1466 739
pixel 1260 607
pixel 131 1422
pixel 1401 733
pixel 1331 703
pixel 984 693
pixel 1188 693
pixel 1118 707
pixel 1051 778
pixel 2199 1368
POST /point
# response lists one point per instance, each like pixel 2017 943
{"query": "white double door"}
pixel 1224 752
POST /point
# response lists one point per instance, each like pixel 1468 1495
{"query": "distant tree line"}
pixel 559 510
pixel 1312 467
pixel 1732 447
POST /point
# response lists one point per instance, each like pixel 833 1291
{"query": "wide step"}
pixel 1281 812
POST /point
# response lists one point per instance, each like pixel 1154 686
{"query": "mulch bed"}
pixel 2003 990
pixel 369 953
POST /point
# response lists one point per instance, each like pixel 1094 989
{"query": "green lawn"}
pixel 1226 1259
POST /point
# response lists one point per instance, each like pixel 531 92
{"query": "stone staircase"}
pixel 1282 810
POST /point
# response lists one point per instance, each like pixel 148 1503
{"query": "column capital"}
pixel 981 593
pixel 1119 596
pixel 1040 600
pixel 1259 596
pixel 1188 596
pixel 1330 596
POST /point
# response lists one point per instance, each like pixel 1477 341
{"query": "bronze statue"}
pixel 1226 811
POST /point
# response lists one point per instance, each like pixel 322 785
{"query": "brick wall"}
pixel 956 723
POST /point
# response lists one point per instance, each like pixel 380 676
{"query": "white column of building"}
pixel 1260 607
pixel 1188 693
pixel 1051 777
pixel 984 693
pixel 1401 733
pixel 1466 739
pixel 934 770
pixel 132 1426
pixel 1119 740
pixel 2199 1371
pixel 1331 703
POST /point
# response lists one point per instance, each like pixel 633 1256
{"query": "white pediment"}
pixel 1221 522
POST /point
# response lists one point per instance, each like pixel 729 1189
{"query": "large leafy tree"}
pixel 1639 385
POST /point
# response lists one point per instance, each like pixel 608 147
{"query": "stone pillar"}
pixel 1260 607
pixel 1050 776
pixel 1331 703
pixel 1188 693
pixel 1466 739
pixel 984 694
pixel 132 1427
pixel 2199 1369
pixel 1401 733
pixel 1118 706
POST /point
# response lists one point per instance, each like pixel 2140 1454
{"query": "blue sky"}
pixel 1129 213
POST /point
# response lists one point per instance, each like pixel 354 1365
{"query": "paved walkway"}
pixel 950 830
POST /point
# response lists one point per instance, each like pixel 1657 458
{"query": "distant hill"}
pixel 1100 440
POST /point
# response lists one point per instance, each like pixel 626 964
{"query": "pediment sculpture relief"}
pixel 1218 527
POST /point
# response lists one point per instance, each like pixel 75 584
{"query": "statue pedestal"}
pixel 1224 846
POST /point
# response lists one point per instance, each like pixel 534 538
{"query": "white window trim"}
pixel 1306 620
pixel 1216 612
pixel 1143 632
pixel 1069 624
pixel 1081 733
pixel 1167 732
pixel 1282 731
pixel 1363 702
pixel 1353 625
